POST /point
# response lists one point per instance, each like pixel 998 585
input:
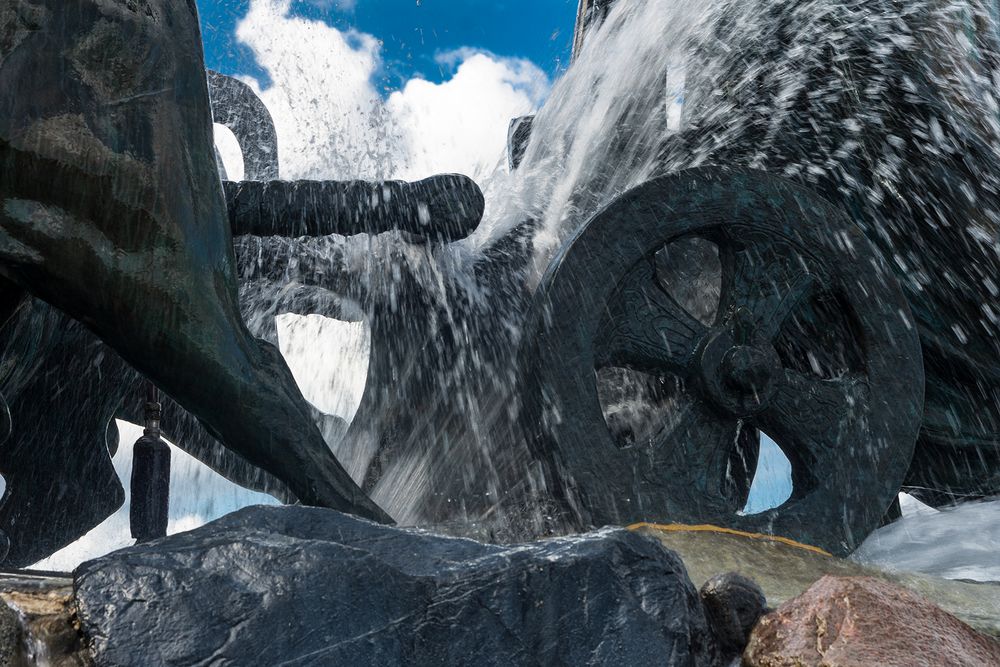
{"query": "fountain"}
pixel 774 218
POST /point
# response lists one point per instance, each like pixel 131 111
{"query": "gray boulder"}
pixel 304 586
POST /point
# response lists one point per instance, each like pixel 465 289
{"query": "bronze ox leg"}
pixel 112 211
pixel 63 386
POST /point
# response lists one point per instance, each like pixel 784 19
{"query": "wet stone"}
pixel 38 622
pixel 861 621
pixel 784 571
pixel 297 585
pixel 733 605
pixel 10 636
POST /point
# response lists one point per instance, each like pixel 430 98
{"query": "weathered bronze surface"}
pixel 928 210
pixel 880 160
pixel 236 106
pixel 440 208
pixel 439 374
pixel 147 265
pixel 62 379
pixel 112 212
pixel 589 15
pixel 64 387
pixel 849 437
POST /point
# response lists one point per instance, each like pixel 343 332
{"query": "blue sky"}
pixel 412 32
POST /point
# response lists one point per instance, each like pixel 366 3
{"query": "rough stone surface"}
pixel 38 623
pixel 785 571
pixel 862 621
pixel 10 636
pixel 733 604
pixel 305 586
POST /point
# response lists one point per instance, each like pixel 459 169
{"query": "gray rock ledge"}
pixel 303 586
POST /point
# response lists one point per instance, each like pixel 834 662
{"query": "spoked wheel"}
pixel 811 342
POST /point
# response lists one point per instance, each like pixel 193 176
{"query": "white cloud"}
pixel 333 123
pixel 460 125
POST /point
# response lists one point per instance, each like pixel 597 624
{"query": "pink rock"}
pixel 864 622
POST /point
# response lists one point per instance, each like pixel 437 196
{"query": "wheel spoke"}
pixel 645 329
pixel 704 457
pixel 766 281
pixel 817 423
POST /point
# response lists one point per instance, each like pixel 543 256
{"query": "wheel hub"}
pixel 745 369
pixel 736 376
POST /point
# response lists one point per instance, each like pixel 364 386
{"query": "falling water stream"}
pixel 806 89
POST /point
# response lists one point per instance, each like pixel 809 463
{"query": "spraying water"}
pixel 956 543
pixel 888 110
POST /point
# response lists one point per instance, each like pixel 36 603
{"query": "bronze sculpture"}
pixel 112 212
pixel 517 403
pixel 910 158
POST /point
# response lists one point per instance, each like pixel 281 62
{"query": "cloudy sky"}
pixel 391 88
pixel 412 33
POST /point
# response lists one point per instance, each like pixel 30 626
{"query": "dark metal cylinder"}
pixel 149 510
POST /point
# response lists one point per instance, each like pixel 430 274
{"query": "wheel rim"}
pixel 849 439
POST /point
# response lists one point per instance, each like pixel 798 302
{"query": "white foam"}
pixel 957 543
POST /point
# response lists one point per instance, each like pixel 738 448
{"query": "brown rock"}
pixel 38 622
pixel 785 570
pixel 861 622
pixel 11 637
